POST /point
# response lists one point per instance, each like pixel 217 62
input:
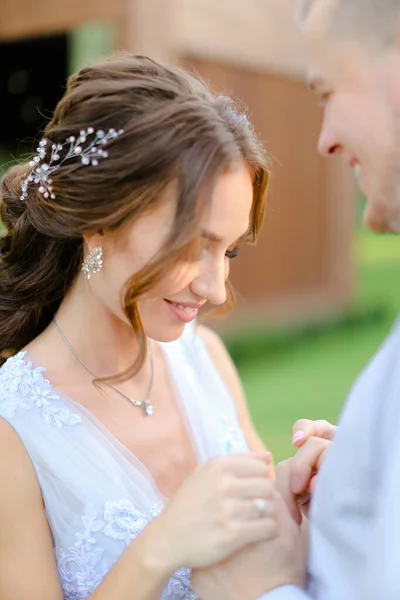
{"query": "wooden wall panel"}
pixel 256 34
pixel 28 18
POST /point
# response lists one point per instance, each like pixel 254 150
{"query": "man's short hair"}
pixel 374 20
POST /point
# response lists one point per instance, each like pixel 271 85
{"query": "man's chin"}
pixel 381 218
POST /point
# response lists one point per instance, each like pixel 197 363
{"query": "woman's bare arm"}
pixel 28 568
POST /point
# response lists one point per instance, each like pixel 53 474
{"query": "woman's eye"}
pixel 231 254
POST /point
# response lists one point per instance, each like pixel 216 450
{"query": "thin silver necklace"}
pixel 145 404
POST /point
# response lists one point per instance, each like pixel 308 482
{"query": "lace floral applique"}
pixel 22 386
pixel 179 587
pixel 124 521
pixel 82 566
pixel 78 565
pixel 233 439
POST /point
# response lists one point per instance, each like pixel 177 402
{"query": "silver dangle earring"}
pixel 94 262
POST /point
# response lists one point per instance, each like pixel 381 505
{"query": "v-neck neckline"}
pixel 32 364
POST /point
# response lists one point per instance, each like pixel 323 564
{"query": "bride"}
pixel 127 454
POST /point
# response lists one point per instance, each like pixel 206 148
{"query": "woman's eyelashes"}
pixel 231 254
pixel 206 248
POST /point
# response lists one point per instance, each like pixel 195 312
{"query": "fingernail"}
pixel 297 436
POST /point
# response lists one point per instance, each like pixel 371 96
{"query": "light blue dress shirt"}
pixel 355 517
pixel 287 592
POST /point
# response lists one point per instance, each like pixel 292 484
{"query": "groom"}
pixel 354 50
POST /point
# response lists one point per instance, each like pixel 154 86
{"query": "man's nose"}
pixel 327 142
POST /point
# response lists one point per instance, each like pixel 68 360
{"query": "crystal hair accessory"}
pixel 87 147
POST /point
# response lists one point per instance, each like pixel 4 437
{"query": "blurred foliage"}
pixel 308 371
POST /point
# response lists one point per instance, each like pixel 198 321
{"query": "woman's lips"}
pixel 183 312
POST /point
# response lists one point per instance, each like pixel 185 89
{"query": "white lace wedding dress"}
pixel 98 496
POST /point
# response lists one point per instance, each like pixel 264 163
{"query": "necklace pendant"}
pixel 148 407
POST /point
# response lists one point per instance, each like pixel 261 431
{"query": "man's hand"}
pixel 258 568
pixel 296 477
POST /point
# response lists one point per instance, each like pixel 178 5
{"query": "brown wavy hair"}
pixel 175 129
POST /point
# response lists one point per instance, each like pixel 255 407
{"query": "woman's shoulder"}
pixel 17 473
pixel 15 382
pixel 19 388
pixel 17 370
pixel 227 370
pixel 25 390
pixel 26 539
pixel 221 359
pixel 11 445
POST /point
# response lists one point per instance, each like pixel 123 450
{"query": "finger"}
pixel 283 514
pixel 283 484
pixel 243 465
pixel 256 530
pixel 305 428
pixel 313 483
pixel 306 462
pixel 303 499
pixel 255 487
pixel 268 459
pixel 254 508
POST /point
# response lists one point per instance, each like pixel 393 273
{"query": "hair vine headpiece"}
pixel 88 150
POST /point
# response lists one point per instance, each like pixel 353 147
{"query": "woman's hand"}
pixel 304 429
pixel 258 568
pixel 216 512
pixel 297 476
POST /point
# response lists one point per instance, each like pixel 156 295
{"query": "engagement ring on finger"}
pixel 262 507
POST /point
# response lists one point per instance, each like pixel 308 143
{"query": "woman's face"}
pixel 187 286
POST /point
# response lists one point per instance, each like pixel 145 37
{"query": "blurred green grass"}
pixel 309 372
